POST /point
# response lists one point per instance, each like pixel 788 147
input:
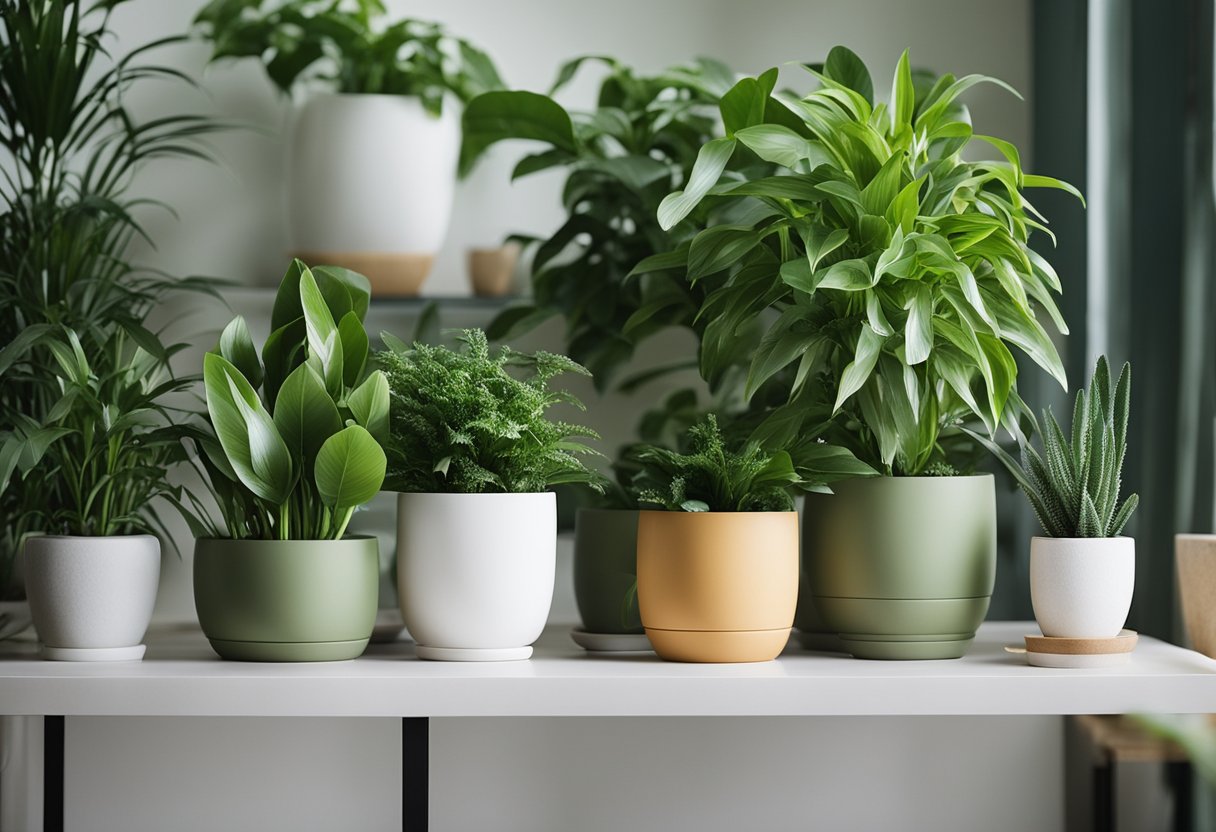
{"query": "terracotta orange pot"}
pixel 718 586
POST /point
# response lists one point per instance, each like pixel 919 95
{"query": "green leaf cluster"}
pixel 713 477
pixel 620 159
pixel 67 224
pixel 293 441
pixel 475 420
pixel 890 275
pixel 1073 484
pixel 348 44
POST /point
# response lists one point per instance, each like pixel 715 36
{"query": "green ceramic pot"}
pixel 287 600
pixel 606 570
pixel 902 567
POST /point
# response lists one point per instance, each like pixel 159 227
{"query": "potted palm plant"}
pixel 1083 571
pixel 895 275
pixel 373 162
pixel 473 451
pixel 718 553
pixel 291 448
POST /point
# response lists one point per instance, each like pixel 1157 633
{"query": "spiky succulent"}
pixel 1073 484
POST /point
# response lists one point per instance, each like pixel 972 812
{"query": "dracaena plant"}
pixel 620 160
pixel 70 150
pixel 293 440
pixel 1073 483
pixel 463 423
pixel 350 46
pixel 105 449
pixel 713 477
pixel 889 272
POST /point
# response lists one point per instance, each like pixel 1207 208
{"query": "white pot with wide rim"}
pixel 1082 587
pixel 372 179
pixel 475 572
pixel 91 598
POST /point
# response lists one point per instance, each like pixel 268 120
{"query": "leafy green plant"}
pixel 620 159
pixel 1073 484
pixel 294 462
pixel 462 423
pixel 348 45
pixel 107 444
pixel 713 477
pixel 71 150
pixel 891 272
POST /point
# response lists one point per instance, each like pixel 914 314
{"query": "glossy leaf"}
pixel 350 468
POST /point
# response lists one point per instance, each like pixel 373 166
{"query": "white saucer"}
pixel 1077 660
pixel 470 654
pixel 611 642
pixel 93 654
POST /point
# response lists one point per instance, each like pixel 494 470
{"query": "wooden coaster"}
pixel 1125 642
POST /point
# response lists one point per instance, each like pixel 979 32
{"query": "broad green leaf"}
pixel 369 404
pixel 318 322
pixel 344 290
pixel 800 187
pixel 779 145
pixel 904 208
pixel 1031 180
pixel 287 299
pixel 848 276
pixel 675 259
pixel 17 348
pixel 820 242
pixel 875 315
pixel 857 373
pixel 494 116
pixel 903 96
pixel 880 192
pixel 719 247
pixel 354 348
pixel 711 161
pixel 236 345
pixel 846 68
pixel 787 340
pixel 744 104
pixel 918 331
pixel 350 468
pixel 1009 151
pixel 305 414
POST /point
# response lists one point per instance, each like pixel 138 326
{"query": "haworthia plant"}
pixel 1073 484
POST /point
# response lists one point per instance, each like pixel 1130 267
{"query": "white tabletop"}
pixel 181 677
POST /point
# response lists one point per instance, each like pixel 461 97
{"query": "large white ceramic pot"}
pixel 475 572
pixel 1082 587
pixel 92 597
pixel 372 178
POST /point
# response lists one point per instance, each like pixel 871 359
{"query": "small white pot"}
pixel 92 597
pixel 475 572
pixel 1082 587
pixel 372 179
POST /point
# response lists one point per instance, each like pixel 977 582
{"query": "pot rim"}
pixel 485 495
pixel 135 536
pixel 1086 539
pixel 719 513
pixel 322 94
pixel 350 538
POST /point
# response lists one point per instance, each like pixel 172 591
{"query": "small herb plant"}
pixel 296 460
pixel 893 273
pixel 105 449
pixel 1073 484
pixel 461 422
pixel 711 477
pixel 620 159
pixel 348 45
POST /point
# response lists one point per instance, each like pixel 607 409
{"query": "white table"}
pixel 182 677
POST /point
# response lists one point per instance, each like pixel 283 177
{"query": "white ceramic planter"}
pixel 372 178
pixel 92 597
pixel 1082 587
pixel 475 572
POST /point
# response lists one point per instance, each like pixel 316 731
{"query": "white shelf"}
pixel 181 677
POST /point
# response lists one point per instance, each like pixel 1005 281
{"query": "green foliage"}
pixel 347 44
pixel 620 159
pixel 1073 484
pixel 889 275
pixel 105 446
pixel 710 477
pixel 462 423
pixel 70 151
pixel 294 461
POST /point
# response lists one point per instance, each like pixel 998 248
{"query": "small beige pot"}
pixel 718 586
pixel 1196 558
pixel 491 270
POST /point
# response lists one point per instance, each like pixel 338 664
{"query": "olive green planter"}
pixel 606 570
pixel 287 600
pixel 902 567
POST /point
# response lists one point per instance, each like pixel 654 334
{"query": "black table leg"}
pixel 1104 797
pixel 415 773
pixel 1182 782
pixel 52 773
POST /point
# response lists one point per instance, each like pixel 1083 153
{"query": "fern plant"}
pixel 712 477
pixel 1073 484
pixel 460 422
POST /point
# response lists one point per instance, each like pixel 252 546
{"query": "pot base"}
pixel 473 654
pixel 286 651
pixel 862 647
pixel 718 646
pixel 92 654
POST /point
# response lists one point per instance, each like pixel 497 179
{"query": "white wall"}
pixel 569 773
